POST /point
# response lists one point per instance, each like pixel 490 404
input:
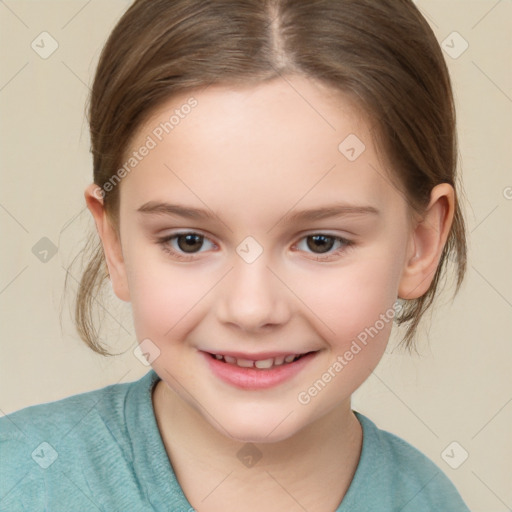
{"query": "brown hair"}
pixel 382 53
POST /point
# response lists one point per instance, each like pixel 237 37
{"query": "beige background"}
pixel 459 389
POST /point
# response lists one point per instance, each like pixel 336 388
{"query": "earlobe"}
pixel 109 240
pixel 427 242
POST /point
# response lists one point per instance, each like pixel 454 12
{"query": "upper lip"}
pixel 260 356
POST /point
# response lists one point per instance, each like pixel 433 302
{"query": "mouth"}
pixel 266 363
pixel 257 371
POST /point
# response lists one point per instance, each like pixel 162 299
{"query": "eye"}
pixel 321 245
pixel 183 246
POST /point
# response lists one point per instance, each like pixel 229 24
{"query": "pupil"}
pixel 192 242
pixel 320 240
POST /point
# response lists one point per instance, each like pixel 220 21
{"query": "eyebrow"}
pixel 324 212
pixel 330 211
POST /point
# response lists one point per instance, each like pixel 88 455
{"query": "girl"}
pixel 274 186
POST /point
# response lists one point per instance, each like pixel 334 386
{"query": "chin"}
pixel 259 428
pixel 258 436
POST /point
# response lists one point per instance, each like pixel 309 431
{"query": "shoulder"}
pixel 73 431
pixel 400 474
pixel 46 419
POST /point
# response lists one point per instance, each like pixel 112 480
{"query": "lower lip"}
pixel 255 378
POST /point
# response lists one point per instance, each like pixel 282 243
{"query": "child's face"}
pixel 250 157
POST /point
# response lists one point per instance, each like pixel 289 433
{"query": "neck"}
pixel 323 455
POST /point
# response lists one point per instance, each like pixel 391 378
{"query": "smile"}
pixel 254 372
pixel 262 364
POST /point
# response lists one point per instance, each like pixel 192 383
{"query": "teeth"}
pixel 245 363
pixel 263 364
pixel 278 361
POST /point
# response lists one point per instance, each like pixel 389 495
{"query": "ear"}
pixel 426 243
pixel 110 241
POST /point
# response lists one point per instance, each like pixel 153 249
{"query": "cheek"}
pixel 356 316
pixel 351 298
pixel 354 313
pixel 342 303
pixel 162 295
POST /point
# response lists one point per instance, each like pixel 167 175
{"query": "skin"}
pixel 251 155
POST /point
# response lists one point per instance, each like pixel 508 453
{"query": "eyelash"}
pixel 164 244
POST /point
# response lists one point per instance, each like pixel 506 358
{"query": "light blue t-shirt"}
pixel 102 451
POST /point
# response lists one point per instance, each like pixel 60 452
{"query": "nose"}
pixel 252 298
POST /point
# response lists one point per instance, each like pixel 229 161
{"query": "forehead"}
pixel 267 146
